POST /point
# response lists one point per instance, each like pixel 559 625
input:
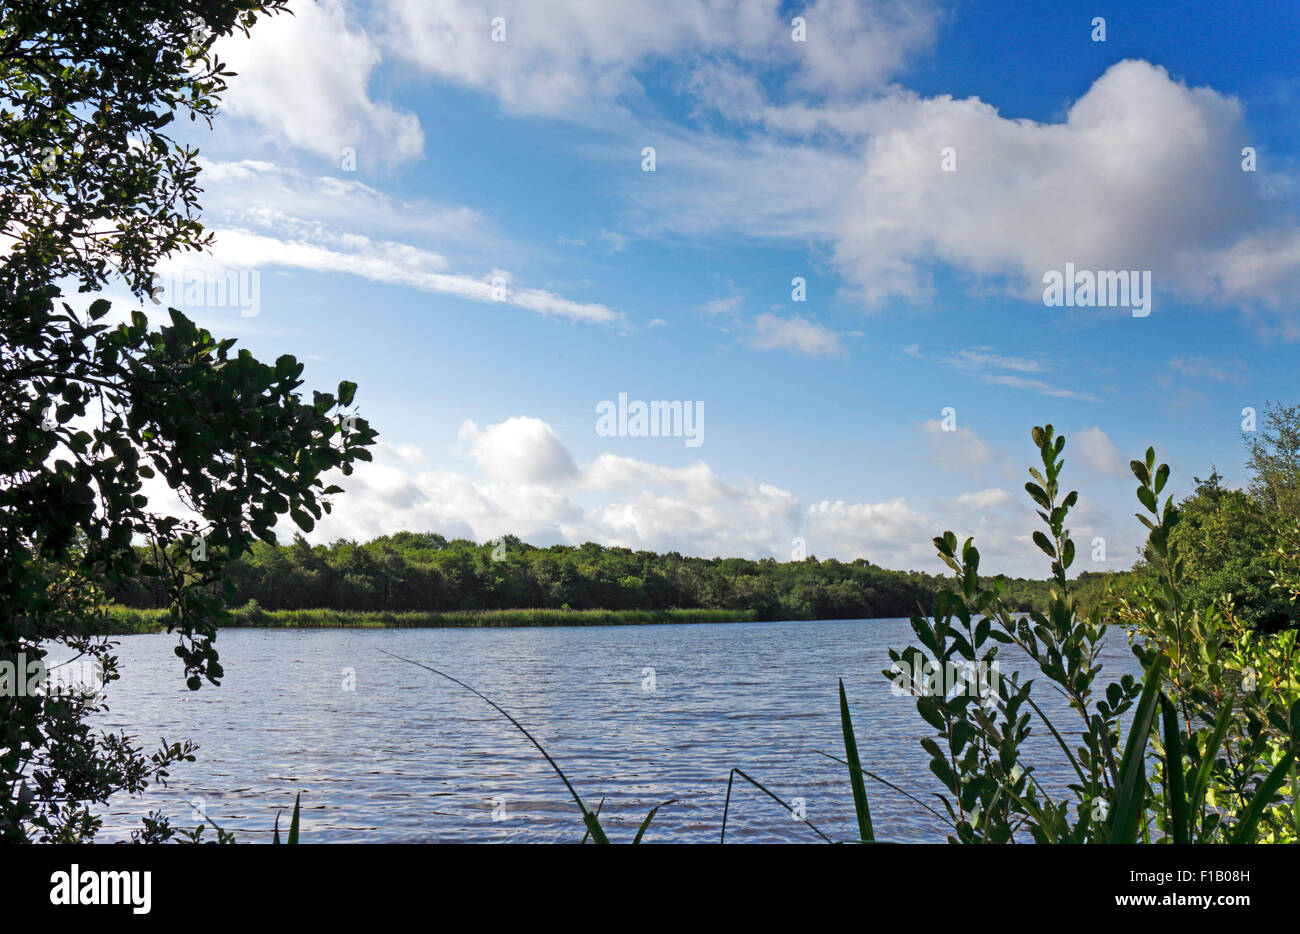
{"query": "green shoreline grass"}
pixel 126 621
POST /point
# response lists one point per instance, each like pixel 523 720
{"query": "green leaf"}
pixel 1202 780
pixel 1162 475
pixel 1175 792
pixel 1130 794
pixel 293 822
pixel 646 823
pixel 1247 827
pixel 347 390
pixel 855 771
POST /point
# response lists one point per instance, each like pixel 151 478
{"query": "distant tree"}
pixel 1273 458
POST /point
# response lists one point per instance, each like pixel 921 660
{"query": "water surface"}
pixel 404 756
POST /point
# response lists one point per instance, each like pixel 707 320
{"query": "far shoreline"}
pixel 119 621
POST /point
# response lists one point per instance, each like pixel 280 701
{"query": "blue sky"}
pixel 390 172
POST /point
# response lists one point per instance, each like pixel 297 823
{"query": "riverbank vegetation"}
pixel 127 620
pixel 425 573
pixel 1230 540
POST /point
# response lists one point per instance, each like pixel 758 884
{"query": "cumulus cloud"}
pixel 521 450
pixel 958 448
pixel 1098 451
pixel 771 332
pixel 527 483
pixel 891 533
pixel 567 56
pixel 304 79
pixel 1143 174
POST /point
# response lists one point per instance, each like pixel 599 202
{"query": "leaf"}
pixel 593 825
pixel 1212 744
pixel 1175 792
pixel 855 771
pixel 347 390
pixel 726 806
pixel 293 822
pixel 1162 475
pixel 648 818
pixel 1246 828
pixel 1130 793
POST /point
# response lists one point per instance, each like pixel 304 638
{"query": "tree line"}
pixel 414 571
pixel 1236 546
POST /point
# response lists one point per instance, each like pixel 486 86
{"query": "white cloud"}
pixel 992 368
pixel 566 56
pixel 1098 451
pixel 1143 174
pixel 304 78
pixel 771 332
pixel 983 357
pixel 521 450
pixel 1223 371
pixel 957 449
pixel 528 484
pixel 259 194
pixel 266 217
pixel 891 534
pixel 724 306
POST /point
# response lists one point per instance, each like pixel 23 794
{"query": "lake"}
pixel 387 752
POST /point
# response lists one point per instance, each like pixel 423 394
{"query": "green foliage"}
pixel 1235 736
pixel 92 190
pixel 426 573
pixel 122 621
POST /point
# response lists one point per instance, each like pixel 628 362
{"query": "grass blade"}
pixel 586 834
pixel 648 818
pixel 1130 794
pixel 1060 740
pixel 759 785
pixel 887 784
pixel 1175 790
pixel 855 771
pixel 588 818
pixel 1212 744
pixel 293 821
